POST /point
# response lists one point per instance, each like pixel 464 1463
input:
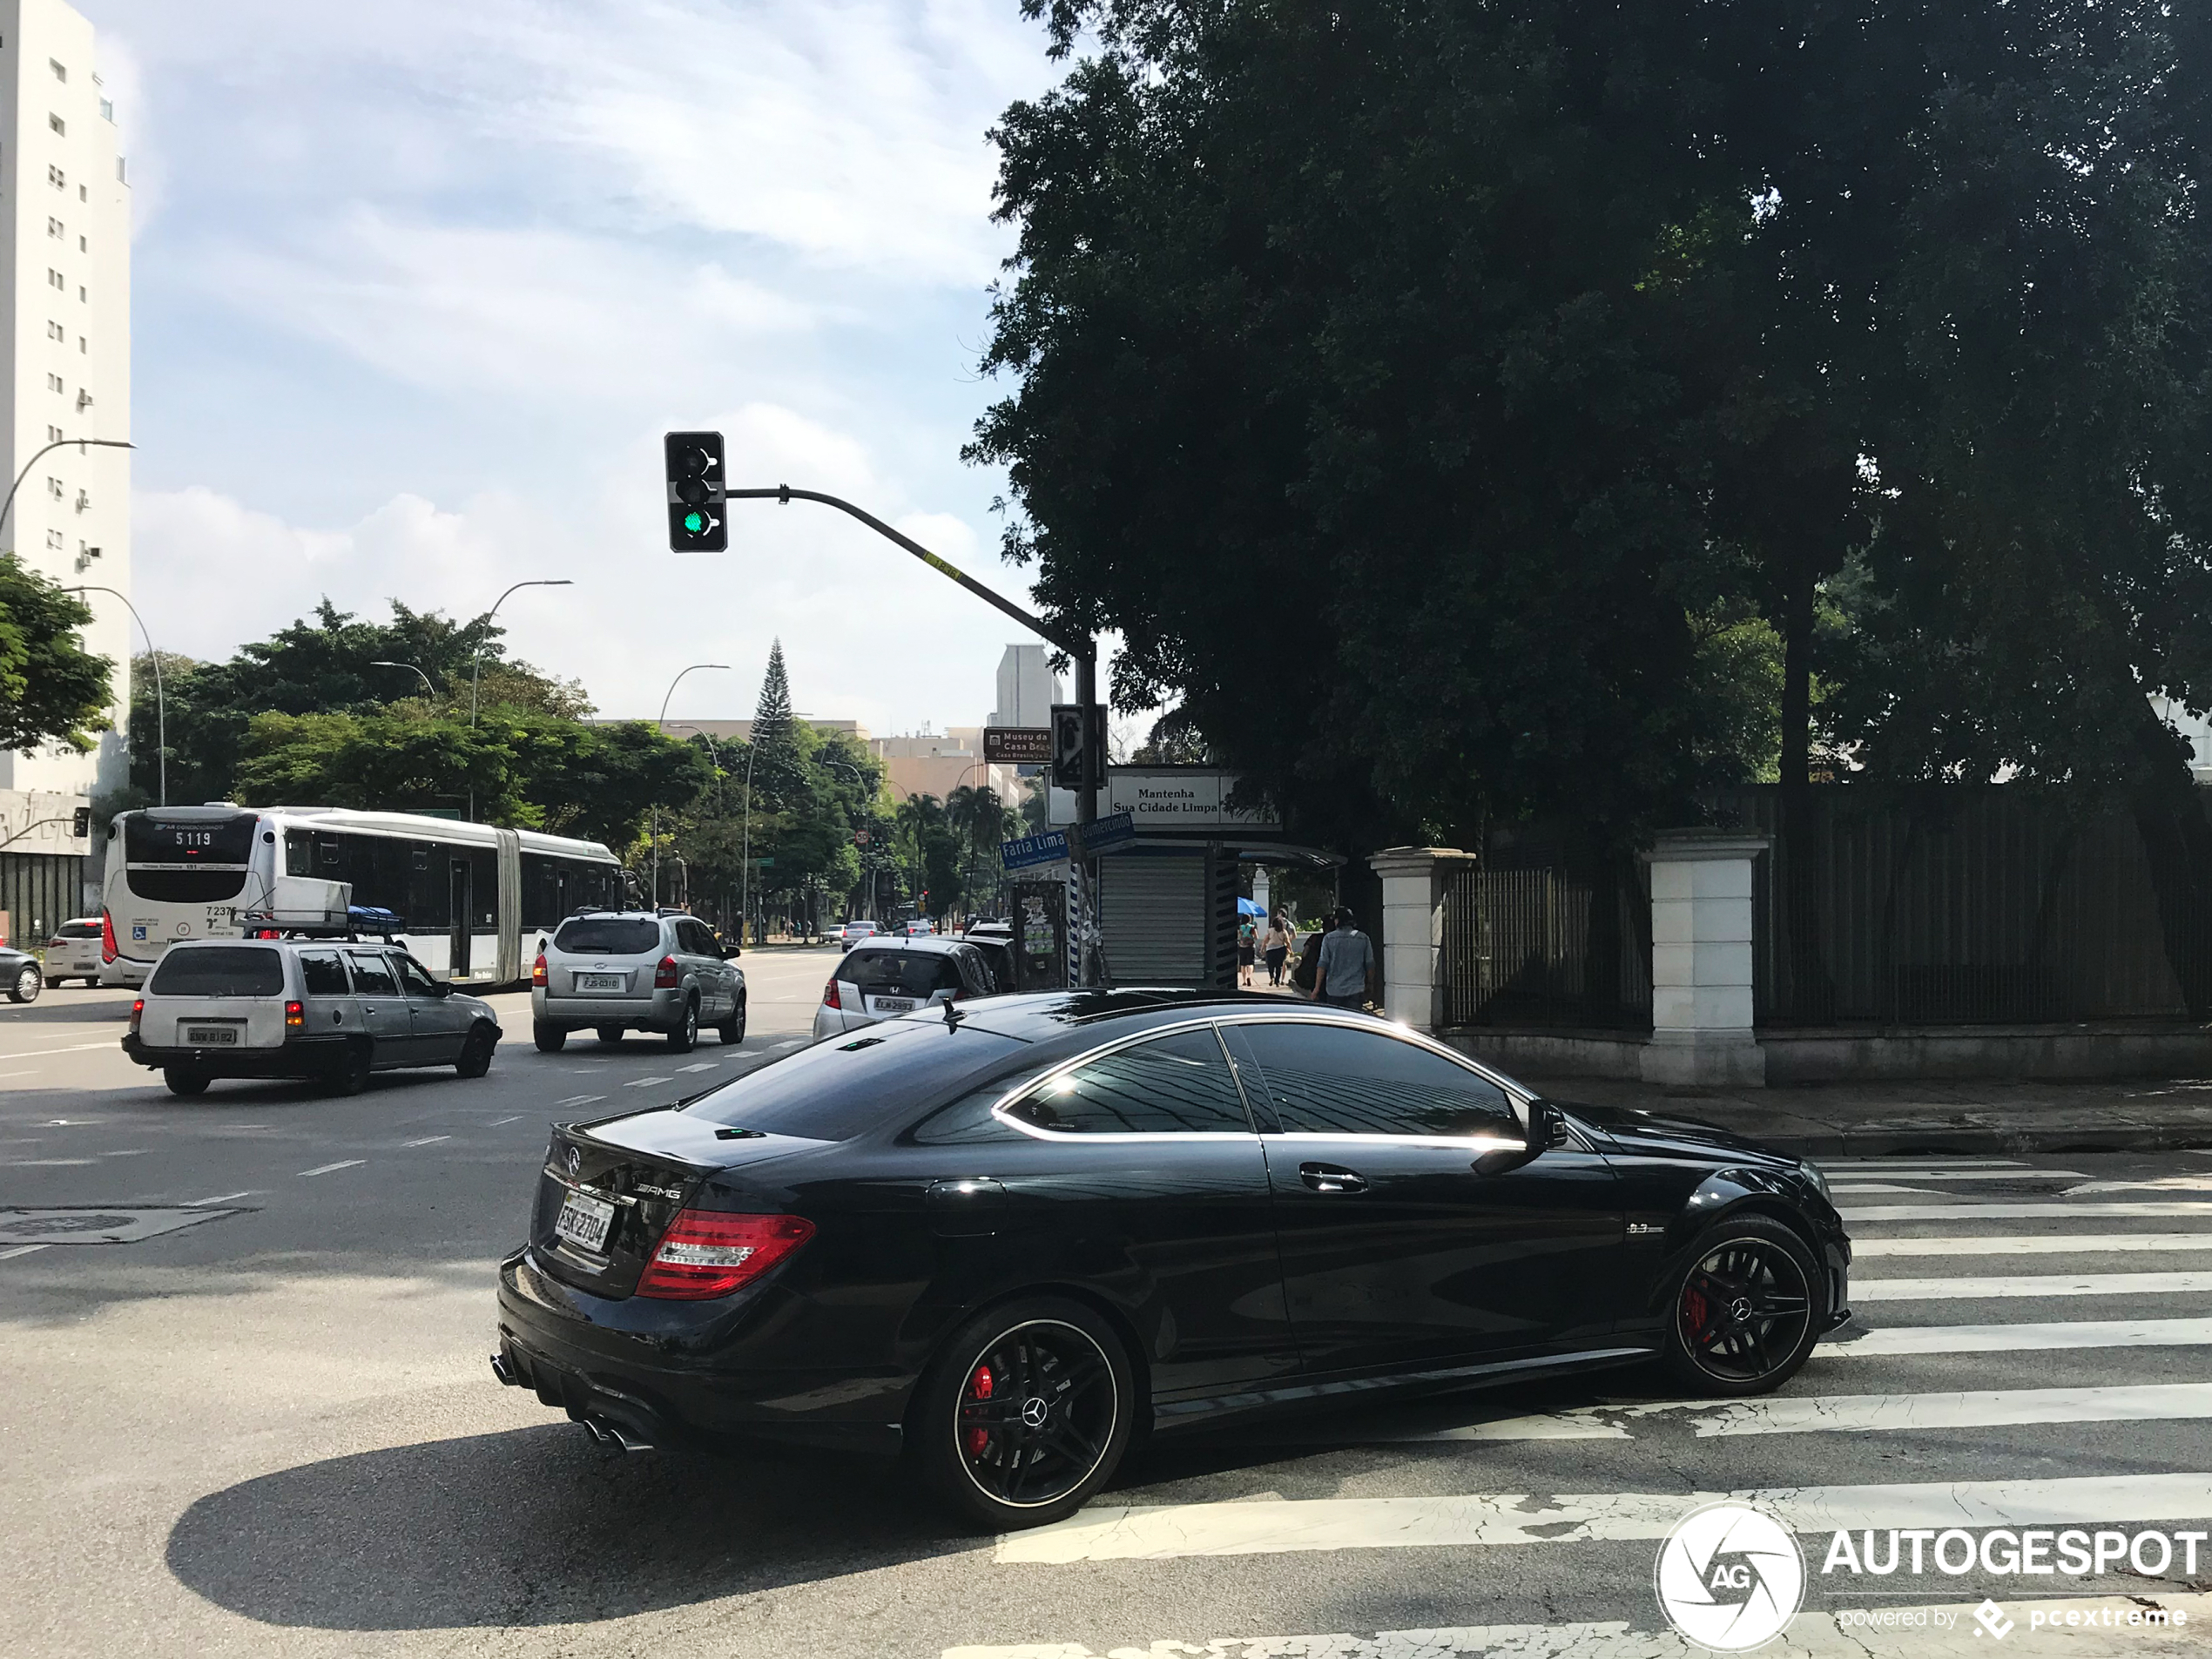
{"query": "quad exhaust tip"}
pixel 612 1434
pixel 504 1371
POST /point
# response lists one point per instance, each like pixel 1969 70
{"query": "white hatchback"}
pixel 73 952
pixel 888 976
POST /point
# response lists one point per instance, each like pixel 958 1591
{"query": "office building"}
pixel 1028 687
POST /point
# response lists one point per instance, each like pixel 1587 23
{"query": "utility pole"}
pixel 160 697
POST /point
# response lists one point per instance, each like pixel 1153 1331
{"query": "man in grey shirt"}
pixel 1346 979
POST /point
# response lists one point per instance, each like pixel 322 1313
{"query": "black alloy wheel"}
pixel 476 1053
pixel 29 982
pixel 1746 1312
pixel 1027 1413
pixel 610 1034
pixel 550 1039
pixel 183 1082
pixel 731 1030
pixel 685 1037
pixel 352 1075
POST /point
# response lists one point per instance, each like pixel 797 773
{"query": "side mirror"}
pixel 440 987
pixel 730 952
pixel 1541 1118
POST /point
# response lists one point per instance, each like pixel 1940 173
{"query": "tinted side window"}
pixel 1333 1081
pixel 1173 1085
pixel 321 974
pixel 371 976
pixel 413 977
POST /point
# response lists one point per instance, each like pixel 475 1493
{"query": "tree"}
pixel 52 691
pixel 773 736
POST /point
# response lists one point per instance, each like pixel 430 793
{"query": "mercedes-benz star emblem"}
pixel 576 1161
pixel 1740 1310
pixel 1033 1411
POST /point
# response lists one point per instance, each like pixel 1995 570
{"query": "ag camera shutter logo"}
pixel 1730 1577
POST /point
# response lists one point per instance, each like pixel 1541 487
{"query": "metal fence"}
pixel 1547 945
pixel 1962 905
pixel 38 891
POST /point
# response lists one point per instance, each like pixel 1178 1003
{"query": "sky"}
pixel 417 286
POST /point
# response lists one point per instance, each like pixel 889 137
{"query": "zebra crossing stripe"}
pixel 2027 1244
pixel 1875 1213
pixel 1962 1290
pixel 1920 1164
pixel 1922 1172
pixel 1998 1339
pixel 1280 1525
pixel 1933 1631
pixel 1878 1186
pixel 1857 1413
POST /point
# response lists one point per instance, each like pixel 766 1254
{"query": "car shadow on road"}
pixel 539 1526
pixel 55 1008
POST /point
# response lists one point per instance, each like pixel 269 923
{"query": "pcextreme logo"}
pixel 1730 1577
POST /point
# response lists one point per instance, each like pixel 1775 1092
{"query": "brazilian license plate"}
pixel 585 1222
pixel 211 1036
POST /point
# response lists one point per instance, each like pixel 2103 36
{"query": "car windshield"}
pixel 900 973
pixel 608 936
pixel 219 970
pixel 847 1086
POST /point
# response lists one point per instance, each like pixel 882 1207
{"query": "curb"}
pixel 1874 1142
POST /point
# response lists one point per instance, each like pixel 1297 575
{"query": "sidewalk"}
pixel 1857 1120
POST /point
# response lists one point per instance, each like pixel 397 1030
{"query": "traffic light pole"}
pixel 1080 647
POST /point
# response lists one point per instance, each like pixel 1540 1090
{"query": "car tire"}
pixel 550 1039
pixel 731 1030
pixel 29 982
pixel 685 1036
pixel 183 1082
pixel 352 1075
pixel 1745 1308
pixel 1001 1463
pixel 477 1052
pixel 610 1034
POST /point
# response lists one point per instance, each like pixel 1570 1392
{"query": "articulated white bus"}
pixel 466 894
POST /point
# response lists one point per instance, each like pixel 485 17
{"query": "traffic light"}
pixel 696 522
pixel 80 823
pixel 1068 743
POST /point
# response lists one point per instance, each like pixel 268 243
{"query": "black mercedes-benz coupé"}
pixel 1006 1237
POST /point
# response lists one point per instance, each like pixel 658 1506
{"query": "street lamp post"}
pixel 428 690
pixel 58 443
pixel 160 699
pixel 721 800
pixel 476 672
pixel 660 723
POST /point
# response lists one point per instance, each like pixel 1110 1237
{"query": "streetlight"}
pixel 60 443
pixel 476 673
pixel 428 690
pixel 660 723
pixel 160 699
pixel 720 800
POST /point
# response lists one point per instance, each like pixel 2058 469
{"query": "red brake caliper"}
pixel 979 1387
pixel 1693 1305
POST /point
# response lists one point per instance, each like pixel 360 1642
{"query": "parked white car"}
pixel 73 951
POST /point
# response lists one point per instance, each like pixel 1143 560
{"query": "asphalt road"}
pixel 272 1431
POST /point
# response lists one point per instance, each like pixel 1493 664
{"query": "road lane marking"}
pixel 201 1204
pixel 1876 1186
pixel 428 1140
pixel 1162 1532
pixel 115 1043
pixel 2018 1211
pixel 1933 1161
pixel 580 1100
pixel 1923 1173
pixel 2163 1184
pixel 1893 1340
pixel 1932 1630
pixel 19 1249
pixel 343 1163
pixel 1854 1413
pixel 496 1122
pixel 1968 1290
pixel 47 1163
pixel 647 1082
pixel 2027 1243
pixel 704 1065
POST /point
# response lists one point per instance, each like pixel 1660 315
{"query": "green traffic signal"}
pixel 694 521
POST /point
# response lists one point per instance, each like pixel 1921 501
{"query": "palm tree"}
pixel 978 818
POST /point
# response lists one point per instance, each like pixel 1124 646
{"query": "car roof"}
pixel 1037 1015
pixel 926 943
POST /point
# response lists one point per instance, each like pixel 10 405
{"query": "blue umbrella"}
pixel 1246 908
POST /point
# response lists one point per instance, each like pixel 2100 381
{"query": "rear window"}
pixel 78 930
pixel 608 936
pixel 219 970
pixel 900 973
pixel 847 1086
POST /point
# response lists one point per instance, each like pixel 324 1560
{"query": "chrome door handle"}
pixel 1330 1178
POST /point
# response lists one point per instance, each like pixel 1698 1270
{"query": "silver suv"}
pixel 326 1008
pixel 620 970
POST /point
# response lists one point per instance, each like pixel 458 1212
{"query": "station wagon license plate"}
pixel 602 981
pixel 894 1004
pixel 584 1222
pixel 211 1036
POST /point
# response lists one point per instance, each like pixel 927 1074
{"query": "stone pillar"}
pixel 1701 960
pixel 1412 934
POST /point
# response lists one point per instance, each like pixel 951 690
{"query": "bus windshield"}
pixel 193 856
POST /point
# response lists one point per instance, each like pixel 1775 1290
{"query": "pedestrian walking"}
pixel 1347 973
pixel 1308 960
pixel 1245 949
pixel 1276 948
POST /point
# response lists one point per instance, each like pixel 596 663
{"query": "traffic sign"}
pixel 1068 743
pixel 1017 745
pixel 1031 850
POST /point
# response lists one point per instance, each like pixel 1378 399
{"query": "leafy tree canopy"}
pixel 52 691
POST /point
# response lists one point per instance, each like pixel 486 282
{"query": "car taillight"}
pixel 295 1015
pixel 706 1253
pixel 537 969
pixel 665 978
pixel 107 937
pixel 137 1009
pixel 829 995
